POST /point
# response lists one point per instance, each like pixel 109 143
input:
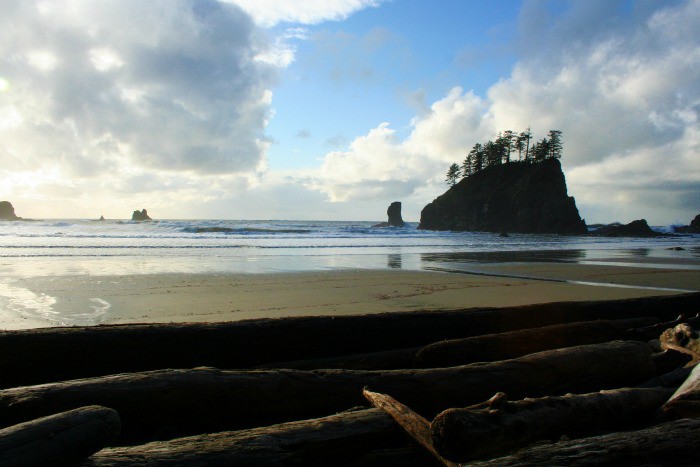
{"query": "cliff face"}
pixel 514 197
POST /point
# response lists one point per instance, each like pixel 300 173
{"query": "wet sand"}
pixel 90 300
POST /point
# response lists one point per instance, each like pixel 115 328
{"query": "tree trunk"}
pixel 499 426
pixel 492 347
pixel 82 352
pixel 417 427
pixel 61 439
pixel 685 402
pixel 200 400
pixel 673 443
pixel 335 439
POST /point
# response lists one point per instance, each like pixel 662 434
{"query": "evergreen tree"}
pixel 519 145
pixel 468 165
pixel 452 175
pixel 477 157
pixel 555 144
pixel 526 136
pixel 508 144
pixel 541 150
pixel 492 154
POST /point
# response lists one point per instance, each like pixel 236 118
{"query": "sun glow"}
pixel 4 84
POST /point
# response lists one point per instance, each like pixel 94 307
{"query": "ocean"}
pixel 114 247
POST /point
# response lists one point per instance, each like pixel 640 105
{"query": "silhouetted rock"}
pixel 7 211
pixel 140 216
pixel 514 197
pixel 694 226
pixel 394 213
pixel 638 228
pixel 102 218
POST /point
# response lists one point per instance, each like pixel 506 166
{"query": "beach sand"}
pixel 87 300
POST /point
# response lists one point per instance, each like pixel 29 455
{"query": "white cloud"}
pixel 161 85
pixel 268 13
pixel 626 98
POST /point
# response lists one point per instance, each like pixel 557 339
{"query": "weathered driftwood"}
pixel 673 443
pixel 487 348
pixel 685 402
pixel 102 350
pixel 502 346
pixel 177 402
pixel 683 338
pixel 500 426
pixel 329 440
pixel 416 426
pixel 62 439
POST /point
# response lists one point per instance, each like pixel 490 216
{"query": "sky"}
pixel 332 109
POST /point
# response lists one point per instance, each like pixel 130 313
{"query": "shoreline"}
pixel 67 300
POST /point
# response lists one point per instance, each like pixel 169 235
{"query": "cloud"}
pixel 626 96
pixel 268 13
pixel 98 89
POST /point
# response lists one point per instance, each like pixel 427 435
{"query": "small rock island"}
pixel 140 216
pixel 394 213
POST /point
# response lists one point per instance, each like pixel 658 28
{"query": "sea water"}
pixel 73 247
pixel 108 248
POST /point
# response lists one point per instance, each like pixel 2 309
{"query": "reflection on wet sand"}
pixel 505 256
pixel 394 261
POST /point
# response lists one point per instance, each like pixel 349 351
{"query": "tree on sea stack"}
pixel 452 175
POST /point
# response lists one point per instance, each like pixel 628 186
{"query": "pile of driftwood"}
pixel 587 382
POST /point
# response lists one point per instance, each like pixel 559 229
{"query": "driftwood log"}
pixel 499 426
pixel 58 440
pixel 685 402
pixel 673 443
pixel 682 337
pixel 102 350
pixel 332 440
pixel 413 424
pixel 502 346
pixel 165 403
pixel 486 348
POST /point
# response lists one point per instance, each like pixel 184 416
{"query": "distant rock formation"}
pixel 694 226
pixel 638 228
pixel 394 213
pixel 7 211
pixel 140 216
pixel 516 197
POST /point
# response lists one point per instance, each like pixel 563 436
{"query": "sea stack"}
pixel 638 228
pixel 516 197
pixel 7 211
pixel 140 216
pixel 694 226
pixel 394 213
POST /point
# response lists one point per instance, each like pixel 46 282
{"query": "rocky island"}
pixel 515 197
pixel 140 216
pixel 7 212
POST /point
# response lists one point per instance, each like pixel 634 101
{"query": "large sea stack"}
pixel 694 226
pixel 515 197
pixel 7 211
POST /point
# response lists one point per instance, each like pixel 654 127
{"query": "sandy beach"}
pixel 89 300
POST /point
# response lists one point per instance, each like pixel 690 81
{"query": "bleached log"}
pixel 685 402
